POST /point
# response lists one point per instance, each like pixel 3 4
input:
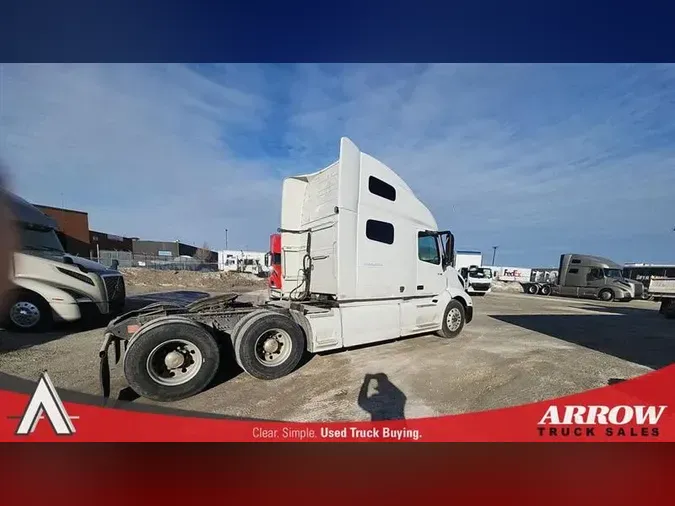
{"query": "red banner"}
pixel 636 410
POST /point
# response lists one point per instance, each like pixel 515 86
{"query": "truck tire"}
pixel 27 312
pixel 606 295
pixel 667 308
pixel 454 318
pixel 532 289
pixel 269 346
pixel 545 290
pixel 242 325
pixel 171 360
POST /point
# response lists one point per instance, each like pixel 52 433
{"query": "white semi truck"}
pixel 362 261
pixel 477 278
pixel 48 284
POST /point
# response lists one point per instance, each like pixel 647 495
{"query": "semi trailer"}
pixel 363 261
pixel 662 290
pixel 47 284
pixel 645 273
pixel 590 277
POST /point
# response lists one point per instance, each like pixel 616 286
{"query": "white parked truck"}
pixel 48 284
pixel 477 278
pixel 363 261
pixel 662 290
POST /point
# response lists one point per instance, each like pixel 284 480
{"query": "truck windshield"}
pixel 613 273
pixel 34 238
pixel 481 272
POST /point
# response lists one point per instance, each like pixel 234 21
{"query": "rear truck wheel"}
pixel 269 346
pixel 27 312
pixel 668 308
pixel 171 360
pixel 242 325
pixel 606 295
pixel 532 289
pixel 545 290
pixel 454 319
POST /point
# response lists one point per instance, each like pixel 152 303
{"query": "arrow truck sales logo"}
pixel 592 421
pixel 45 402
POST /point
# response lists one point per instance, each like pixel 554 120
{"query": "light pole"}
pixel 494 254
pixel 225 238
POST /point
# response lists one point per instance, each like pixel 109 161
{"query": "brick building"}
pixel 73 229
pixel 78 239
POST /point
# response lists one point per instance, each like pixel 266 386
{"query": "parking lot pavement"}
pixel 518 349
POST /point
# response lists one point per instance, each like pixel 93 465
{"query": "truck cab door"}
pixel 573 283
pixel 419 311
pixel 464 273
pixel 595 280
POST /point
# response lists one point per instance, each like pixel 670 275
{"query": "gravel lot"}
pixel 518 349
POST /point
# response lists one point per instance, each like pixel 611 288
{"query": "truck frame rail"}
pixel 219 313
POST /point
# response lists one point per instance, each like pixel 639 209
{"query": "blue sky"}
pixel 538 159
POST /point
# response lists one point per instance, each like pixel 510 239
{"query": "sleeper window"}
pixel 381 189
pixel 380 231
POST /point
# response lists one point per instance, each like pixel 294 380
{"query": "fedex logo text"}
pixel 511 273
pixel 621 421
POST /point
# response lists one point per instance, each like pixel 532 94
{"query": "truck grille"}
pixel 115 291
pixel 481 288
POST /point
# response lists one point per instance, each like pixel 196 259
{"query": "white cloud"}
pixel 533 158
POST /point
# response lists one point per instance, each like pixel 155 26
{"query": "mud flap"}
pixel 104 366
pixel 469 314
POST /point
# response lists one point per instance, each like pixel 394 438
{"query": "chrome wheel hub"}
pixel 174 362
pixel 273 347
pixel 24 314
pixel 454 319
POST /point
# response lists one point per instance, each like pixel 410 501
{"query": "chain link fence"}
pixel 118 259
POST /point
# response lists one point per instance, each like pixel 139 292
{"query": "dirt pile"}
pixel 209 281
pixel 506 286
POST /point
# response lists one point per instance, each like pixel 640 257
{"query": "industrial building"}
pixel 100 241
pixel 73 229
pixel 78 239
pixel 168 250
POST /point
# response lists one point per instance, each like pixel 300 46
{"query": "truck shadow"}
pixel 181 297
pixel 91 320
pixel 13 341
pixel 380 398
pixel 637 335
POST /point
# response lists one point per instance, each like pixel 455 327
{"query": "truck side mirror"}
pixel 450 250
